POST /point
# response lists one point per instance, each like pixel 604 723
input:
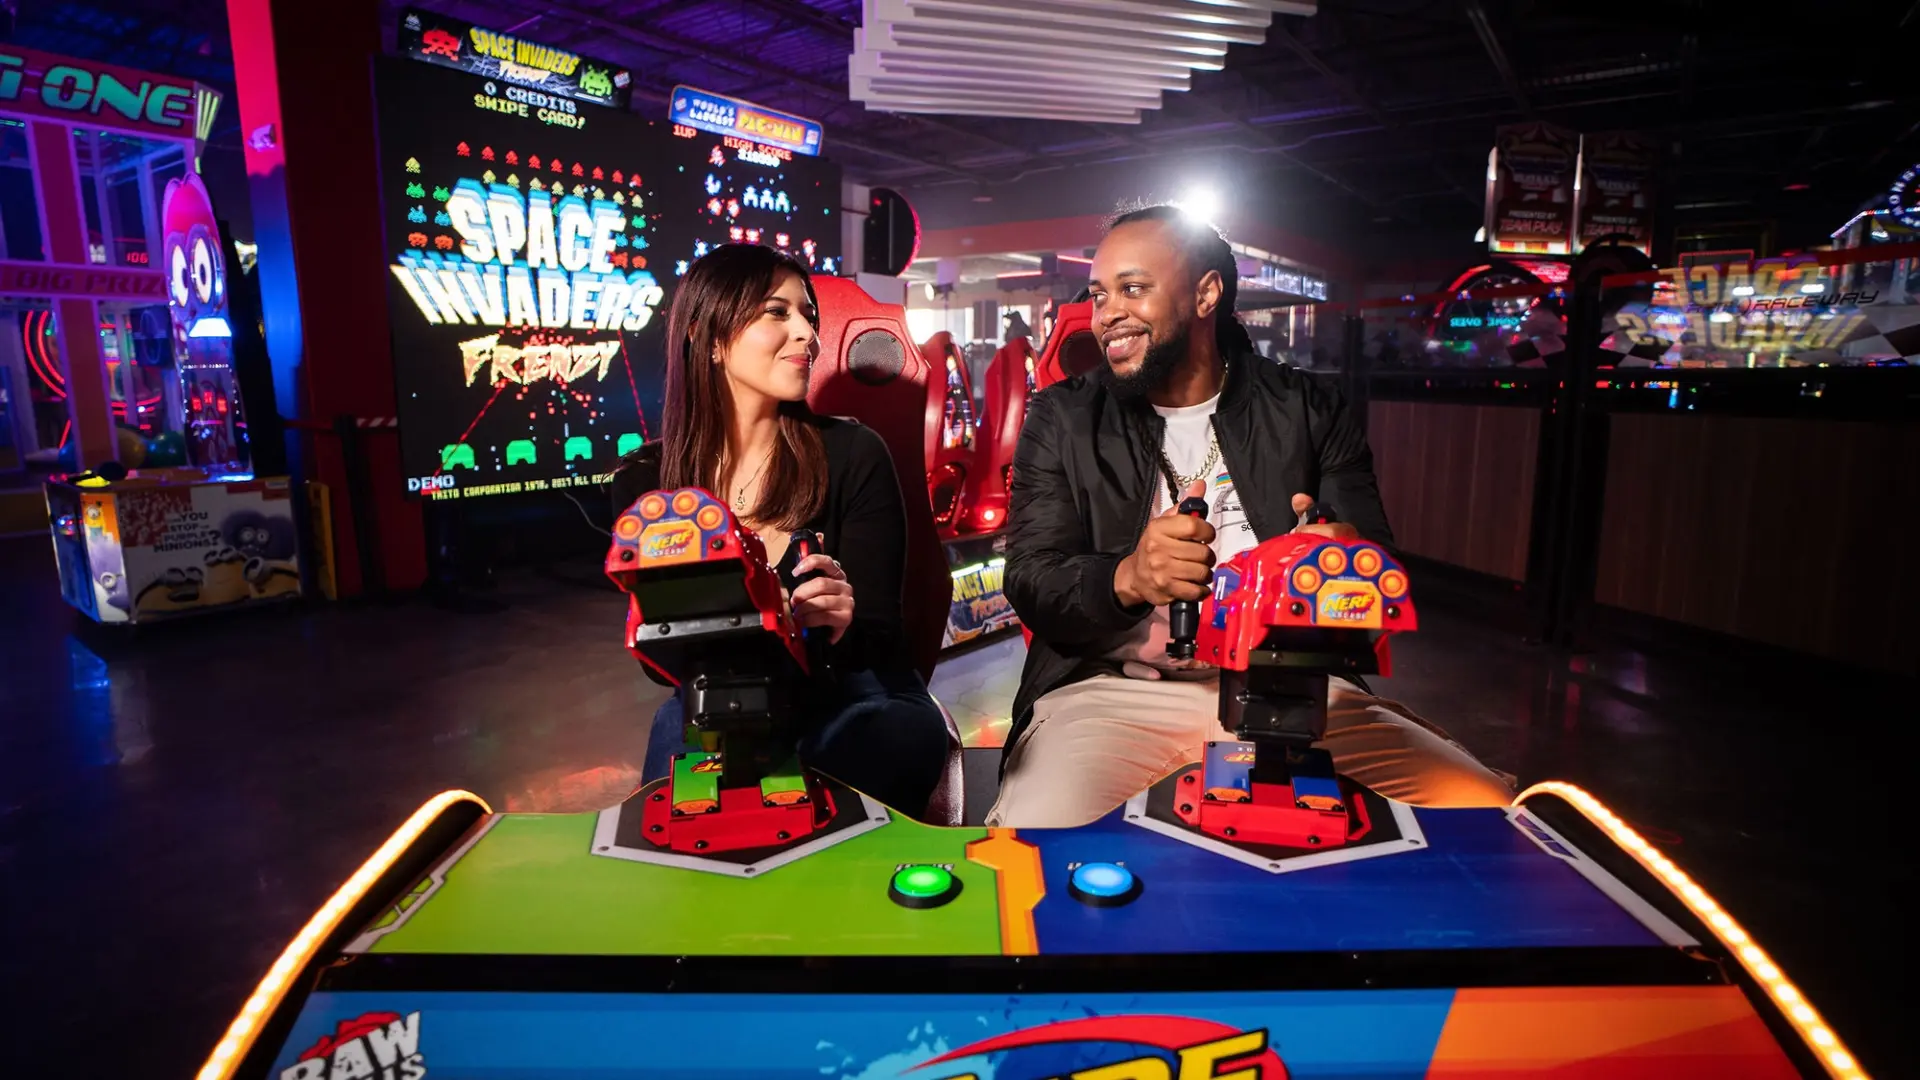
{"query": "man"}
pixel 1183 407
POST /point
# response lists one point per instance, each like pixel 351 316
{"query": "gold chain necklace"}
pixel 1176 483
pixel 740 492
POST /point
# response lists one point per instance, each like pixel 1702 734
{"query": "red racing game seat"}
pixel 1011 383
pixel 869 370
pixel 950 432
pixel 1072 348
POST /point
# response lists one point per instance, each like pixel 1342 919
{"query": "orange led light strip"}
pixel 1800 1012
pixel 273 988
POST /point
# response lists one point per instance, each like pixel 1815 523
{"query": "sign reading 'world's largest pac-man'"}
pixel 723 115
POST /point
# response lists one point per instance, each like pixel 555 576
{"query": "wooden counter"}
pixel 1457 480
pixel 1792 532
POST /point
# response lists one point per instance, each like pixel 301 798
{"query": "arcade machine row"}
pixel 1012 380
pixel 984 482
pixel 976 550
pixel 956 456
pixel 169 518
pixel 1511 311
pixel 1255 915
pixel 951 431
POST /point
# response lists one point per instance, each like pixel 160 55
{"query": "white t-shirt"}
pixel 1187 442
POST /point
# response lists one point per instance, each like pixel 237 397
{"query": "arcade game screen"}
pixel 534 243
pixel 728 190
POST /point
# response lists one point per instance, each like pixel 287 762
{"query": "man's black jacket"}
pixel 1084 478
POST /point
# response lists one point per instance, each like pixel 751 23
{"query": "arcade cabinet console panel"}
pixel 1546 938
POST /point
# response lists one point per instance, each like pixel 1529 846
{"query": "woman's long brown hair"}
pixel 721 295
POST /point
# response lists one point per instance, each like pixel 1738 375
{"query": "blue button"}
pixel 1103 884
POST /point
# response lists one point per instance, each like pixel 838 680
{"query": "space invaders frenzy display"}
pixel 534 245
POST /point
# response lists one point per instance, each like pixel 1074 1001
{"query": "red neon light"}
pixel 1463 278
pixel 499 386
pixel 35 341
pixel 64 432
pixel 915 253
pixel 627 364
pixel 256 79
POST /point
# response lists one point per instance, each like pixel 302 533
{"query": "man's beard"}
pixel 1156 368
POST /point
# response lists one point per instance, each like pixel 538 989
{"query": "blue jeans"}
pixel 882 735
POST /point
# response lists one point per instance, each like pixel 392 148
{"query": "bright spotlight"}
pixel 1200 202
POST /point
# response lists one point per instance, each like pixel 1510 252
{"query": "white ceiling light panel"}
pixel 1103 61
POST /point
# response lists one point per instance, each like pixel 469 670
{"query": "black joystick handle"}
pixel 1316 513
pixel 1183 616
pixel 800 545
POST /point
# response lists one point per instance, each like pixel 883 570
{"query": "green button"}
pixel 923 886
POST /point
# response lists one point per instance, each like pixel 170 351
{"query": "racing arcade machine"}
pixel 1011 383
pixel 1072 347
pixel 950 431
pixel 976 606
pixel 1253 912
pixel 706 612
pixel 1285 616
pixel 977 555
pixel 869 369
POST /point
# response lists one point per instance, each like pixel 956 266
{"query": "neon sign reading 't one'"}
pixel 66 88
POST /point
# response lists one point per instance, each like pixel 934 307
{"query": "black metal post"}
pixel 353 457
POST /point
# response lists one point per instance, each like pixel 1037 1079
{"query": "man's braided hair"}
pixel 1207 250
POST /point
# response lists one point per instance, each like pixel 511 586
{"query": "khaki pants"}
pixel 1094 744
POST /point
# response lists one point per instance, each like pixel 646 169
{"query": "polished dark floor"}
pixel 174 803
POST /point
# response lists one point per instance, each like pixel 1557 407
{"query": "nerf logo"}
pixel 1347 606
pixel 670 542
pixel 1349 603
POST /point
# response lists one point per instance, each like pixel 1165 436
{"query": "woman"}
pixel 742 337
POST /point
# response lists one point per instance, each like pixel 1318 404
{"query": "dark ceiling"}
pixel 1370 119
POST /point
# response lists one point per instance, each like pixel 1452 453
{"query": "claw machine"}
pixel 122 392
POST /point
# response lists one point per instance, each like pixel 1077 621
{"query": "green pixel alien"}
pixel 594 81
